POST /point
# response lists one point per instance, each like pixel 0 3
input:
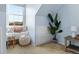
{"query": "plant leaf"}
pixel 60 31
pixel 50 16
pixel 56 16
pixel 59 24
pixel 54 24
pixel 50 25
pixel 56 21
pixel 52 29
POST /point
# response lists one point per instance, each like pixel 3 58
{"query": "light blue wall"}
pixel 69 15
pixel 41 22
pixel 3 27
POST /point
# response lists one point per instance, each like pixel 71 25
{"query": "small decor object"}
pixel 54 25
pixel 73 30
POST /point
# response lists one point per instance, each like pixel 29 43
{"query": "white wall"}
pixel 31 11
pixel 42 34
pixel 3 26
pixel 69 17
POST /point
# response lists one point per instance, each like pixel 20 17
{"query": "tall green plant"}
pixel 54 25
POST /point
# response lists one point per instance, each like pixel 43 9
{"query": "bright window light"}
pixel 15 13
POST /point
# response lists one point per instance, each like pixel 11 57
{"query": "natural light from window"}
pixel 15 14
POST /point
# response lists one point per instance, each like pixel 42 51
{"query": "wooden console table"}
pixel 71 47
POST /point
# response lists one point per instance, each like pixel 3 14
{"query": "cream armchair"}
pixel 24 39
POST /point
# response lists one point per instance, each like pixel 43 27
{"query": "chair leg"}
pixel 13 43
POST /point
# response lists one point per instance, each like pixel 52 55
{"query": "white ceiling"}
pixel 44 9
pixel 22 5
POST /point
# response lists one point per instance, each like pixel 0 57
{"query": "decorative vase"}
pixel 73 35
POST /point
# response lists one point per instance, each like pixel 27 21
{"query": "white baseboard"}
pixel 44 43
pixel 61 43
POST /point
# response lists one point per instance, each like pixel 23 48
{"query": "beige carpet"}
pixel 50 48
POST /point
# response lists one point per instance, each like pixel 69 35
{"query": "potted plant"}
pixel 54 25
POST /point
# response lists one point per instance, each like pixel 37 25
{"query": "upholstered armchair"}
pixel 24 39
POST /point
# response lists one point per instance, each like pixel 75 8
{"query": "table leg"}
pixel 65 44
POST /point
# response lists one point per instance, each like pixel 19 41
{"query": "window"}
pixel 15 15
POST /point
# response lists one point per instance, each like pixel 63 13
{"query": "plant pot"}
pixel 55 39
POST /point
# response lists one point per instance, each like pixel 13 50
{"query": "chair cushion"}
pixel 24 40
